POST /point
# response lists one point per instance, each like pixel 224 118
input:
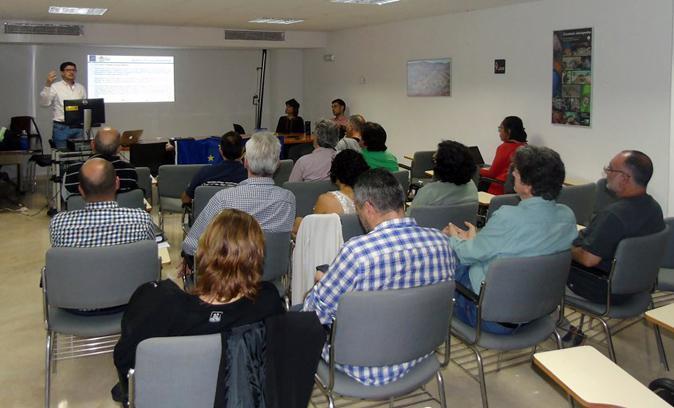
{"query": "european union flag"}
pixel 202 151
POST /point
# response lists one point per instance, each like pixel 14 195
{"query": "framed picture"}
pixel 572 77
pixel 429 77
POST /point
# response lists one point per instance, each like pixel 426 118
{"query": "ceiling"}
pixel 319 15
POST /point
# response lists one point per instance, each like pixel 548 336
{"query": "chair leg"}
pixel 331 400
pixel 441 389
pixel 390 402
pixel 582 320
pixel 558 339
pixel 498 360
pixel 661 348
pixel 480 371
pixel 609 339
pixel 161 220
pixel 47 369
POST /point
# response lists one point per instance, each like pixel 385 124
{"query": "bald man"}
pixel 102 222
pixel 105 145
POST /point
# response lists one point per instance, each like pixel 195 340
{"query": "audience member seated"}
pixel 453 169
pixel 292 122
pixel 634 214
pixel 106 145
pixel 354 130
pixel 395 254
pixel 374 148
pixel 344 172
pixel 316 165
pixel 102 222
pixel 229 170
pixel 228 293
pixel 536 226
pixel 338 109
pixel 512 134
pixel 273 207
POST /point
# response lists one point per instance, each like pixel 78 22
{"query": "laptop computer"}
pixel 239 129
pixel 130 137
pixel 477 156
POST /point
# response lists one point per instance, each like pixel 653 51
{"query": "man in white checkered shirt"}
pixel 102 222
pixel 272 206
pixel 395 254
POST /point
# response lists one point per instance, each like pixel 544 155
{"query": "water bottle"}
pixel 23 141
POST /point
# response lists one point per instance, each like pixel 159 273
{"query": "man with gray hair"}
pixel 354 130
pixel 396 253
pixel 273 207
pixel 316 165
pixel 105 145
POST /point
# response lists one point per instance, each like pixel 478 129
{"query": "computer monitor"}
pixel 75 112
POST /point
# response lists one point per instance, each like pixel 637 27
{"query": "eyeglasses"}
pixel 608 169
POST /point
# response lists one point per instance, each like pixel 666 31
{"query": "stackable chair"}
pixel 128 199
pixel 581 201
pixel 439 216
pixel 282 174
pixel 306 193
pixel 172 180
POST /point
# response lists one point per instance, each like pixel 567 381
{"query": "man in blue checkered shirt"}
pixel 272 206
pixel 395 254
pixel 102 222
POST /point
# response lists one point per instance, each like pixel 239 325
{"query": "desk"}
pixel 484 198
pixel 429 173
pixel 575 181
pixel 409 157
pixel 592 379
pixel 662 316
pixel 18 158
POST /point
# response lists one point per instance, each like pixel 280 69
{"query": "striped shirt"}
pixel 397 254
pixel 128 179
pixel 100 224
pixel 272 206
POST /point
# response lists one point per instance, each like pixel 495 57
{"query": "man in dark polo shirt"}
pixel 230 170
pixel 634 214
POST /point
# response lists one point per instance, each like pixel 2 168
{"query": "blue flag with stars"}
pixel 202 151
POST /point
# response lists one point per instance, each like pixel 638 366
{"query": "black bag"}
pixel 12 140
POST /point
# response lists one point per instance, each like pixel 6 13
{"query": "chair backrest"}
pixel 99 277
pixel 637 262
pixel 127 199
pixel 282 174
pixel 276 255
pixel 499 201
pixel 392 326
pixel 177 371
pixel 603 196
pixel 202 195
pixel 306 194
pixel 580 199
pixel 438 217
pixel 421 162
pixel 668 257
pixel 520 290
pixel 351 226
pixel 173 179
pixel 403 177
pixel 145 182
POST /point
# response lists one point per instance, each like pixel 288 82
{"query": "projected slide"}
pixel 130 78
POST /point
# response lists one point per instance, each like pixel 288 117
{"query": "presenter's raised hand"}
pixel 50 78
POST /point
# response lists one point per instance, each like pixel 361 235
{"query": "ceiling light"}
pixel 267 20
pixel 377 2
pixel 77 11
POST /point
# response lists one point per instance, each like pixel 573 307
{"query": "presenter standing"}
pixel 54 93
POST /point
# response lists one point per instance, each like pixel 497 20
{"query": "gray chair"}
pixel 277 259
pixel 128 199
pixel 421 162
pixel 581 201
pixel 403 177
pixel 410 323
pixel 438 217
pixel 517 290
pixel 90 278
pixel 603 196
pixel 202 195
pixel 306 193
pixel 351 226
pixel 633 272
pixel 282 174
pixel 499 201
pixel 176 372
pixel 145 182
pixel 665 281
pixel 172 180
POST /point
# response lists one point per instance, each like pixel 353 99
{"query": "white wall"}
pixel 632 71
pixel 213 87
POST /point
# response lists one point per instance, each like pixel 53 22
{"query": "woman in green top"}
pixel 453 168
pixel 374 152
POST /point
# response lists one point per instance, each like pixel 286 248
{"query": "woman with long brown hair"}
pixel 228 293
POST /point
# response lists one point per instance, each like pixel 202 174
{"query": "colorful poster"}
pixel 572 77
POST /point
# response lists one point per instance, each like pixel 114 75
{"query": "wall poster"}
pixel 429 77
pixel 572 77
